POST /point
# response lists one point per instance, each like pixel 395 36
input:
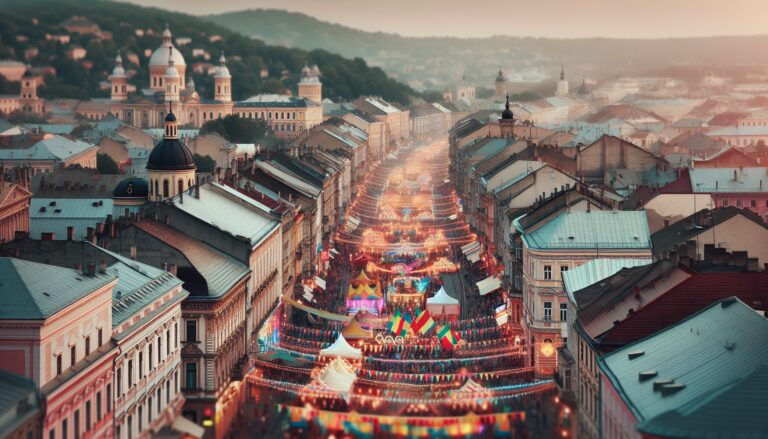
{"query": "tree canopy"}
pixel 106 165
pixel 236 129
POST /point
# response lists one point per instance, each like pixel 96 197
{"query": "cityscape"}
pixel 297 219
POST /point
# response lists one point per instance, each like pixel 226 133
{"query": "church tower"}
pixel 507 122
pixel 222 81
pixel 171 166
pixel 172 81
pixel 119 80
pixel 500 85
pixel 310 86
pixel 28 99
pixel 562 85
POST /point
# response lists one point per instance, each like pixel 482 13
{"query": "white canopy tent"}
pixel 443 304
pixel 341 348
pixel 339 376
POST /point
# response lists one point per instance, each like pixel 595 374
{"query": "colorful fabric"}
pixel 423 323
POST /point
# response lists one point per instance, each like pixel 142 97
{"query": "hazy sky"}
pixel 552 18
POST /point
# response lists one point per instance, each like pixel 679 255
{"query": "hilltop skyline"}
pixel 548 18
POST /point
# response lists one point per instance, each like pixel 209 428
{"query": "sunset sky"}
pixel 550 18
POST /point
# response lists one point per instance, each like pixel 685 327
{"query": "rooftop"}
pixel 684 366
pixel 594 271
pixel 591 230
pixel 34 291
pixel 229 211
pixel 726 180
pixel 698 223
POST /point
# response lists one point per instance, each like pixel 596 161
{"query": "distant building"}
pixel 287 116
pixel 20 409
pixel 562 84
pixel 27 101
pixel 46 153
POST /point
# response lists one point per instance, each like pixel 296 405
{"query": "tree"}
pixel 204 163
pixel 106 165
pixel 236 129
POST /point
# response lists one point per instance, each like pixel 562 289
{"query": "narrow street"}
pixel 392 338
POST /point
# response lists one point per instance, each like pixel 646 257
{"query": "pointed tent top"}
pixel 442 298
pixel 341 348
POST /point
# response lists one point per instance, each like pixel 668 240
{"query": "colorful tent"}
pixel 354 331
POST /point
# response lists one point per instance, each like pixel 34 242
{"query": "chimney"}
pixel 78 266
pixel 89 234
pixel 91 270
pixel 172 269
pixel 70 233
pixel 112 230
pixel 666 223
pixel 103 267
pixel 164 266
pixel 133 252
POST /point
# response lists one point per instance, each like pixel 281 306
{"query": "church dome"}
pixel 171 155
pixel 162 56
pixel 171 72
pixel 222 71
pixel 133 187
pixel 500 77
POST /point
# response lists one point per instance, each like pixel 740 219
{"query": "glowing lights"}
pixel 547 349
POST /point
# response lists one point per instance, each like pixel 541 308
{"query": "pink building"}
pixel 56 325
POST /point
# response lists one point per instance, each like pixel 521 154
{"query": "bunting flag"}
pixel 448 338
pixel 423 323
pixel 406 325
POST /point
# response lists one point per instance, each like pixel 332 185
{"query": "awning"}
pixel 469 248
pixel 320 282
pixel 488 285
pixel 187 427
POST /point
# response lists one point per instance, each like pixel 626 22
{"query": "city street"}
pixel 351 353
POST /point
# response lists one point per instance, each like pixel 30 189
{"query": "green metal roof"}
pixel 16 388
pixel 34 291
pixel 138 285
pixel 592 230
pixel 737 413
pixel 594 271
pixel 707 353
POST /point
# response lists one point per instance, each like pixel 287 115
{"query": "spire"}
pixel 562 72
pixel 167 34
pixel 507 104
pixel 222 58
pixel 507 113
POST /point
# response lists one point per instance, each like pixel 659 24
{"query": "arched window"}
pixel 165 189
pixel 181 186
pixel 157 191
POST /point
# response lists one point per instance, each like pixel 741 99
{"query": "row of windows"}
pixel 282 115
pixel 155 352
pixel 92 413
pixel 740 203
pixel 154 406
pixel 548 311
pixel 548 271
pixel 73 351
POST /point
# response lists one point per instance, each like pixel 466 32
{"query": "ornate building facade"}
pixel 288 116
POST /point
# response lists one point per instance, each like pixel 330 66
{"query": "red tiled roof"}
pixel 687 298
pixel 730 158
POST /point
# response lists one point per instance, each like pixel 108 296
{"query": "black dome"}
pixel 131 188
pixel 507 114
pixel 171 155
pixel 170 117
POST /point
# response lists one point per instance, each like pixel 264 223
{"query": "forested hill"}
pixel 434 61
pixel 26 26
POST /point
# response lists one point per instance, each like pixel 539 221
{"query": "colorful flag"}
pixel 423 323
pixel 396 324
pixel 448 338
pixel 406 325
